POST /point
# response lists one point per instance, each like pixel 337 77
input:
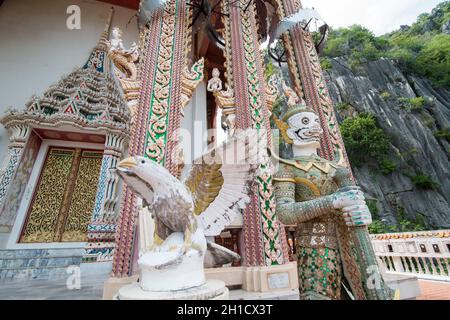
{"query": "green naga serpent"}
pixel 335 258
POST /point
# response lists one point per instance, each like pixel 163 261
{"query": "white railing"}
pixel 423 254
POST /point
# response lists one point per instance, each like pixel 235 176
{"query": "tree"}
pixel 364 139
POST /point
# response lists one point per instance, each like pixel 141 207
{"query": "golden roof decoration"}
pixel 89 97
pixel 412 235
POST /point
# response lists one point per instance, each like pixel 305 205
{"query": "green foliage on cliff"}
pixel 421 49
pixel 357 43
pixel 380 227
pixel 270 70
pixel 423 181
pixel 403 224
pixel 385 95
pixel 325 63
pixel 433 61
pixel 364 139
pixel 387 166
pixel 412 104
pixel 443 134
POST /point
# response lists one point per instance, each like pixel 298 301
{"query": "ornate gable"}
pixel 88 98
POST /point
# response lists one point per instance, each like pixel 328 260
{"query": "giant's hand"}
pixel 344 199
pixel 357 215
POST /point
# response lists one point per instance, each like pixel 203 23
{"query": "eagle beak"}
pixel 128 163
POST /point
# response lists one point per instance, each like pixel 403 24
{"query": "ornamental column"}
pixel 308 81
pixel 102 228
pixel 19 134
pixel 263 235
pixel 164 43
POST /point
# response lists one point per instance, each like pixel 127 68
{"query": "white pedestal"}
pixel 211 290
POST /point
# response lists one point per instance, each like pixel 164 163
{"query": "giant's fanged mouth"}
pixel 307 134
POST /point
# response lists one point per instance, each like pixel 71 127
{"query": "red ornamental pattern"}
pixel 159 113
pixel 261 228
pixel 126 223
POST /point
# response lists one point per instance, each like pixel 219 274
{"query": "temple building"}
pixel 132 81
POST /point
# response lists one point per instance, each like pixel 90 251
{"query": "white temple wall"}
pixel 194 123
pixel 37 48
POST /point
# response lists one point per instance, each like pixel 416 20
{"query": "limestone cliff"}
pixel 418 135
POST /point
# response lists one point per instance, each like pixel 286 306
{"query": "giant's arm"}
pixel 291 212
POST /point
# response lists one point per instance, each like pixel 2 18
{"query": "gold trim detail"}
pixel 309 184
pixel 284 180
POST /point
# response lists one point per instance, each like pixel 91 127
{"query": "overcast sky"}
pixel 380 16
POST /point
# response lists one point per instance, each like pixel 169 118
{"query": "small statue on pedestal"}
pixel 224 100
pixel 126 70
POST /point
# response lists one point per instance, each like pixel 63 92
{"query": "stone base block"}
pixel 112 286
pixel 258 279
pixel 211 290
pixel 232 276
pixel 275 279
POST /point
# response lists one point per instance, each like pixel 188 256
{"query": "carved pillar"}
pixel 19 135
pixel 158 116
pixel 262 233
pixel 16 190
pixel 102 228
pixel 308 81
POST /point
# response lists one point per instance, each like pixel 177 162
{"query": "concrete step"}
pixel 239 294
pixel 37 253
pixel 21 263
pixel 28 264
pixel 52 288
pixel 26 274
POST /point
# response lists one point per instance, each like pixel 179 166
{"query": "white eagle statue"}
pixel 186 212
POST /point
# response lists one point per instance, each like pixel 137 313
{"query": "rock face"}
pixel 378 88
pixel 446 27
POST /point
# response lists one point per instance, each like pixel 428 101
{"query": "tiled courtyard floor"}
pixel 50 290
pixel 92 289
pixel 434 290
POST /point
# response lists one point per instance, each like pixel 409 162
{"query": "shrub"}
pixel 270 70
pixel 433 61
pixel 412 104
pixel 364 138
pixel 422 181
pixel 428 121
pixel 377 227
pixel 417 103
pixel 387 166
pixel 403 225
pixel 409 226
pixel 385 95
pixel 420 49
pixel 372 204
pixel 408 154
pixel 357 42
pixel 325 63
pixel 443 134
pixel 342 106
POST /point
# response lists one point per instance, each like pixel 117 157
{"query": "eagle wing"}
pixel 219 181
